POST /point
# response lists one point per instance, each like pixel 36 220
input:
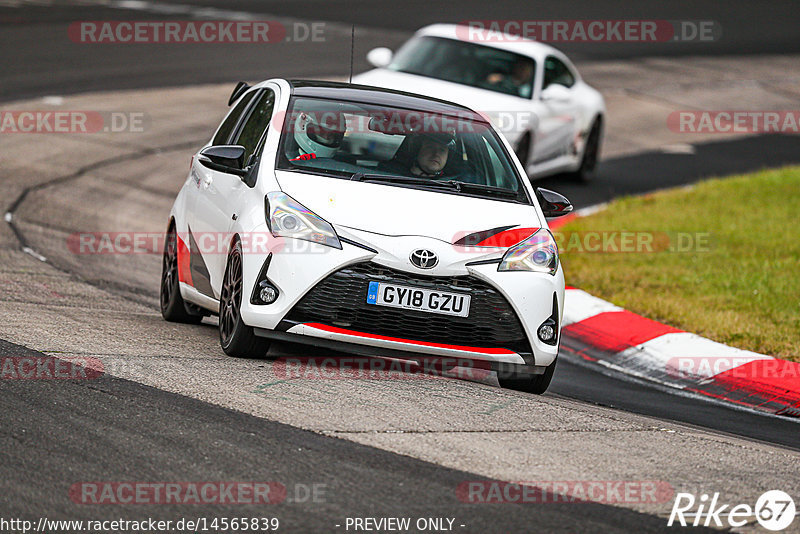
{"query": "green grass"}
pixel 742 289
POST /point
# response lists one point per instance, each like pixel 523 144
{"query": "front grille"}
pixel 340 300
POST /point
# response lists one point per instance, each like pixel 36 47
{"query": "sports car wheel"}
pixel 173 307
pixel 529 383
pixel 591 153
pixel 237 339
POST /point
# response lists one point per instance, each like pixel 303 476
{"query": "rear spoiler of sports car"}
pixel 238 91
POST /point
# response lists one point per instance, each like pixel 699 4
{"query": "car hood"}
pixel 498 107
pixel 400 211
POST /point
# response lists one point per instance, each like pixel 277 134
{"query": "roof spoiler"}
pixel 238 91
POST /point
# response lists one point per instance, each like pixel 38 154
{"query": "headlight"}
pixel 286 217
pixel 538 253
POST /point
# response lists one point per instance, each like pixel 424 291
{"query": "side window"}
pixel 227 126
pixel 556 72
pixel 256 124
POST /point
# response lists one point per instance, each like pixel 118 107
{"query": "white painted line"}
pixel 591 210
pixel 698 355
pixel 679 148
pixel 53 100
pixel 580 305
pixel 30 251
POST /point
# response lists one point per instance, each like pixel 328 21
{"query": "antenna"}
pixel 352 46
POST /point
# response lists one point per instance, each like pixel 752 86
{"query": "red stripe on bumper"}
pixel 336 330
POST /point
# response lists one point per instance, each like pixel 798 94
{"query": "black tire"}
pixel 587 172
pixel 173 307
pixel 236 338
pixel 523 150
pixel 528 383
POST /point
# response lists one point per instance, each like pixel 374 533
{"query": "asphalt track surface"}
pixel 117 429
pixel 167 437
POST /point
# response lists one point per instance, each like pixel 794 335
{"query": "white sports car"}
pixel 368 220
pixel 530 91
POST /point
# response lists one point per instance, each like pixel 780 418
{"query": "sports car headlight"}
pixel 286 217
pixel 538 253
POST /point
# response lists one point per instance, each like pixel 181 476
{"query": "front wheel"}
pixel 526 382
pixel 236 338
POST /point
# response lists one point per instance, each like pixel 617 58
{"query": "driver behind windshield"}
pixel 430 152
pixel 518 82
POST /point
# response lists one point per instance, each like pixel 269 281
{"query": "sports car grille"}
pixel 340 300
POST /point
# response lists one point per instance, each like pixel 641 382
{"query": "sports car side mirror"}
pixel 224 158
pixel 556 93
pixel 553 204
pixel 379 57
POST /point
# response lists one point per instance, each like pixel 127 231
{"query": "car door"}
pixel 202 178
pixel 557 109
pixel 219 193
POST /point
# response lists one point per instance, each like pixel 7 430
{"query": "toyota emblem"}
pixel 424 259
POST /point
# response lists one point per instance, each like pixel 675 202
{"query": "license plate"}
pixel 412 298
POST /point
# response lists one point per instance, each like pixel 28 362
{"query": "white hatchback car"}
pixel 368 220
pixel 531 92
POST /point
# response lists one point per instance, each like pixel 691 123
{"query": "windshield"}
pixel 468 64
pixel 375 143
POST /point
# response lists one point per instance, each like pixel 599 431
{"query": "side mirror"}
pixel 556 93
pixel 379 57
pixel 553 204
pixel 224 158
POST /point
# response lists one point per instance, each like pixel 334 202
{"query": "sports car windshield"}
pixel 454 154
pixel 468 64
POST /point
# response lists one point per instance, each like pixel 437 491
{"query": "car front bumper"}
pixel 322 295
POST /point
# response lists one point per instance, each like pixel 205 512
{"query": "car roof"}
pixel 380 96
pixel 513 43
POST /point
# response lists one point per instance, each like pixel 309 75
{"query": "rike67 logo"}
pixel 774 510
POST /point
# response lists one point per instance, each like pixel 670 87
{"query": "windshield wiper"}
pixel 409 180
pixel 443 185
pixel 472 187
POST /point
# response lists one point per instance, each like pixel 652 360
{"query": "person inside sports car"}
pixel 368 143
